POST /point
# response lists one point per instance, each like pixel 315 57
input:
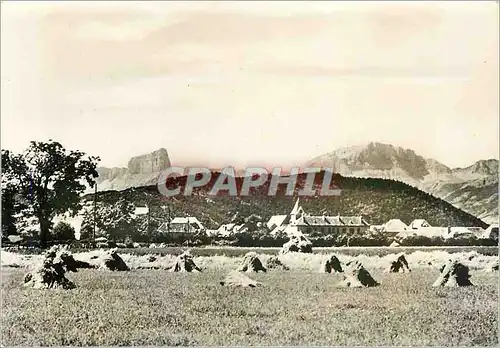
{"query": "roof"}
pixel 426 232
pixel 226 227
pixel 492 226
pixel 454 232
pixel 491 232
pixel 141 210
pixel 276 220
pixel 296 207
pixel 309 220
pixel 417 223
pixel 394 225
pixel 13 238
pixel 185 220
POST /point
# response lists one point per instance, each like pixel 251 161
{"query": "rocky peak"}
pixel 374 156
pixel 141 171
pixel 479 169
pixel 153 162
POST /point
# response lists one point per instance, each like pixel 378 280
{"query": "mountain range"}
pixel 473 189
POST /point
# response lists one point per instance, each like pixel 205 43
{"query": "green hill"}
pixel 378 200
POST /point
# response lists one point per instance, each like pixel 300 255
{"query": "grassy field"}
pixel 240 251
pixel 147 307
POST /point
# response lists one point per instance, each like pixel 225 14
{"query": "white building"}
pixel 182 225
pixel 394 225
pixel 300 221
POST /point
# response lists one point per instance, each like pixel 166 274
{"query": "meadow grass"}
pixel 154 307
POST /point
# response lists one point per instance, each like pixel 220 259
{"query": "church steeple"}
pixel 296 212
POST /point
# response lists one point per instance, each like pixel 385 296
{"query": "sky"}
pixel 251 83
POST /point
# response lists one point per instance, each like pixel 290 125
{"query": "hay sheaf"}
pixel 252 263
pixel 331 265
pixel 493 267
pixel 238 279
pixel 356 276
pixel 274 263
pixel 50 273
pixel 113 262
pixel 297 243
pixel 453 274
pixel 185 263
pixel 399 265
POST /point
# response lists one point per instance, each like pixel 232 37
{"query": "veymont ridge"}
pixel 473 189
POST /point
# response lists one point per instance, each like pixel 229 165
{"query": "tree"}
pixel 51 180
pixel 117 220
pixel 8 211
pixel 63 232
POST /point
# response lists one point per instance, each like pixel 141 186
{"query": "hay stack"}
pixel 236 278
pixel 356 276
pixel 185 263
pixel 274 263
pixel 399 264
pixel 453 274
pixel 331 265
pixel 494 267
pixel 113 261
pixel 50 274
pixel 252 263
pixel 297 243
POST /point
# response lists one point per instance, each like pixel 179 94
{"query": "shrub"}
pixel 63 232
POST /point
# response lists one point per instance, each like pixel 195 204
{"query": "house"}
pixel 376 228
pixel 429 232
pixel 141 211
pixel 226 230
pixel 419 223
pixel 275 221
pixel 465 232
pixel 332 224
pixel 298 221
pixel 182 225
pixel 391 227
pixel 394 225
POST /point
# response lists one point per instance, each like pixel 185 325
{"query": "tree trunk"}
pixel 44 231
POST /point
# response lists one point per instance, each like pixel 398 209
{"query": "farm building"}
pixel 307 224
pixel 182 225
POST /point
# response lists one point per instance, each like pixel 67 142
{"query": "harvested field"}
pixel 297 307
pixel 237 251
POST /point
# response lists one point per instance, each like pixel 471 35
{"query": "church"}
pixel 300 222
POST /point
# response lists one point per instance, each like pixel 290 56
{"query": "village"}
pixel 300 223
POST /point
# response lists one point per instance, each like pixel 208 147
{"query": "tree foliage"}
pixel 49 180
pixel 63 232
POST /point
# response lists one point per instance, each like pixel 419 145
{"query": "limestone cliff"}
pixel 141 171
